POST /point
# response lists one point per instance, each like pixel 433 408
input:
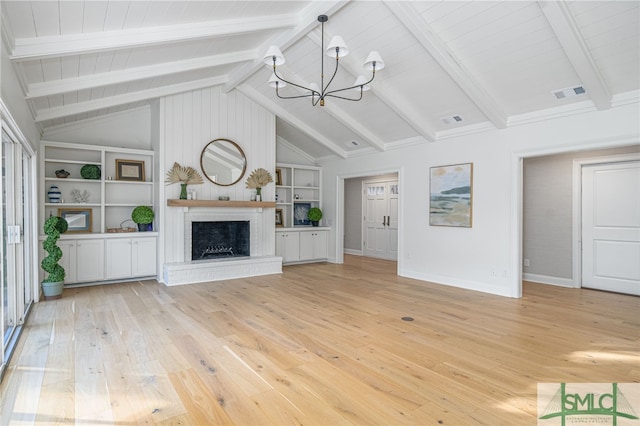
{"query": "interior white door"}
pixel 380 219
pixel 611 227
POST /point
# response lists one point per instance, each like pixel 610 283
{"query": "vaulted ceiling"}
pixel 491 64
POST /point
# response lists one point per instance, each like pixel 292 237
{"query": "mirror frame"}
pixel 244 168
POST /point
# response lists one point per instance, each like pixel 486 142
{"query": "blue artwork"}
pixel 450 195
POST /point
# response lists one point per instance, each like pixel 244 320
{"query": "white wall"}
pixel 127 129
pixel 188 122
pixel 486 256
pixel 13 98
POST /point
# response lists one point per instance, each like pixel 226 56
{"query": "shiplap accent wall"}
pixel 188 121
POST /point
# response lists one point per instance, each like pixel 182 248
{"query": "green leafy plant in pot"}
pixel 53 284
pixel 143 216
pixel 314 215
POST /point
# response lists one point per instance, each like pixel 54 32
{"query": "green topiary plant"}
pixel 53 227
pixel 314 215
pixel 142 215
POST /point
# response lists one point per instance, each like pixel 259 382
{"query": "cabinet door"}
pixel 287 246
pixel 313 245
pixel 68 260
pixel 118 258
pixel 143 257
pixel 320 246
pixel 306 245
pixel 90 260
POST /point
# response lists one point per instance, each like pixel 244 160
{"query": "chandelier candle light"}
pixel 338 48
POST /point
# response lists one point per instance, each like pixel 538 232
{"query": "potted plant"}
pixel 53 284
pixel 314 215
pixel 143 216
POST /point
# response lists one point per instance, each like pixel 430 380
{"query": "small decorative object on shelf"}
pixel 257 179
pixel 223 197
pixel 185 176
pixel 314 214
pixel 62 173
pixel 90 171
pixel 54 194
pixel 80 197
pixel 143 216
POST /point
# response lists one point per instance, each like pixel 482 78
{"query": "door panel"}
pixel 611 227
pixel 380 221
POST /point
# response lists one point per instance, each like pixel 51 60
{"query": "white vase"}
pixel 54 194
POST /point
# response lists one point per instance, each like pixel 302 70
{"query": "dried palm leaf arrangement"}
pixel 258 178
pixel 185 175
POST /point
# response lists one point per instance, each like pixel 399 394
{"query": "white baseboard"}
pixel 353 252
pixel 546 279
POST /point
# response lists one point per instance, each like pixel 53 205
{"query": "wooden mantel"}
pixel 219 203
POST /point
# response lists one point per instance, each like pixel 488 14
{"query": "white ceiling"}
pixel 495 64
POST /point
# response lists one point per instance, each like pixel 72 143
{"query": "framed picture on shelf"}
pixel 79 219
pixel 279 218
pixel 300 211
pixel 278 176
pixel 451 195
pixel 132 170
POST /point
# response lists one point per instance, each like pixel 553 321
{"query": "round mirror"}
pixel 223 162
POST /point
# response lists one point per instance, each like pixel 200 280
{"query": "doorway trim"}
pixel 516 175
pixel 339 243
pixel 576 232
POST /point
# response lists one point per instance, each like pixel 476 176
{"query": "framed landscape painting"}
pixel 450 195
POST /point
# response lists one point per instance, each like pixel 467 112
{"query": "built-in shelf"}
pixel 219 203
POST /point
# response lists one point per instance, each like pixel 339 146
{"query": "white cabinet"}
pixel 89 260
pixel 68 260
pixel 288 246
pixel 143 257
pixel 118 258
pixel 313 245
pixel 298 245
pixel 130 257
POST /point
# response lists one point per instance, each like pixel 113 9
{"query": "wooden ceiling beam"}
pixel 57 87
pixel 74 44
pixel 576 49
pixel 432 43
pixel 113 101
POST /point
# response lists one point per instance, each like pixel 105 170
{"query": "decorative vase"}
pixel 54 194
pixel 52 291
pixel 258 194
pixel 183 191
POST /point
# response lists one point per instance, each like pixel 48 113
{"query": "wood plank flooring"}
pixel 320 344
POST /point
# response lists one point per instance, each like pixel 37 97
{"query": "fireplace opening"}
pixel 220 239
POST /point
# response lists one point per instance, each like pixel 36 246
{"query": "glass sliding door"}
pixel 18 254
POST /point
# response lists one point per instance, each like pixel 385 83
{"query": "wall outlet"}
pixel 526 262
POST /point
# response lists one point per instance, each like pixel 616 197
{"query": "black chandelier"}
pixel 336 47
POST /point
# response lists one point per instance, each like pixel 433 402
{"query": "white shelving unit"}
pixel 300 189
pixel 89 255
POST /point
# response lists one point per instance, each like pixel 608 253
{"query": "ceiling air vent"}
pixel 451 119
pixel 569 92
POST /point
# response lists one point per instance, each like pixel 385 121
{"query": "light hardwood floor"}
pixel 321 344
